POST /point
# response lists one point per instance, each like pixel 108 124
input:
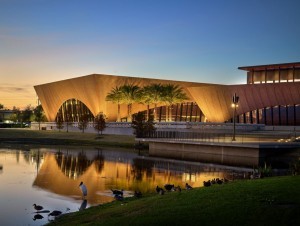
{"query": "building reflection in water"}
pixel 61 172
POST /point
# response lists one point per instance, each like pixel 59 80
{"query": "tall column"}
pixel 287 114
pixel 295 115
pixel 266 75
pixel 191 112
pixel 279 115
pixel 293 73
pixel 272 116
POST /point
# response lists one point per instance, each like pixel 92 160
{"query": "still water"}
pixel 50 177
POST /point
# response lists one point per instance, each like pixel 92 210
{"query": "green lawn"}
pixel 48 137
pixel 271 201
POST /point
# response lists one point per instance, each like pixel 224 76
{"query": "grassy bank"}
pixel 10 137
pixel 271 201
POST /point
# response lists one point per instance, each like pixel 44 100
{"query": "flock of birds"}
pixel 214 181
pixel 40 209
pixel 119 195
pixel 171 187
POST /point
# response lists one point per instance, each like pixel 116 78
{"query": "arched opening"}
pixel 72 109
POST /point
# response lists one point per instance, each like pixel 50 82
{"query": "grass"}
pixel 41 137
pixel 270 201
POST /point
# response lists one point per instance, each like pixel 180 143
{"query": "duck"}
pixel 219 181
pixel 83 189
pixel 37 207
pixel 117 192
pixel 188 187
pixel 55 213
pixel 118 197
pixel 178 188
pixel 137 194
pixel 206 183
pixel 169 187
pixel 160 190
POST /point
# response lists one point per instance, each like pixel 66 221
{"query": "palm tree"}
pixel 116 96
pixel 145 97
pixel 172 94
pixel 130 95
pixel 152 94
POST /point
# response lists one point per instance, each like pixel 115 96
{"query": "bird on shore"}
pixel 219 181
pixel 117 192
pixel 37 207
pixel 83 189
pixel 188 187
pixel 178 188
pixel 137 194
pixel 118 197
pixel 169 187
pixel 160 190
pixel 207 183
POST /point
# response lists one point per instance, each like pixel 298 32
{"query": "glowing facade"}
pixel 271 96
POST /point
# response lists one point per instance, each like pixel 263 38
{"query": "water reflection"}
pixel 37 217
pixel 51 177
pixel 83 205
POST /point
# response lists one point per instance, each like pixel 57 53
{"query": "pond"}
pixel 50 177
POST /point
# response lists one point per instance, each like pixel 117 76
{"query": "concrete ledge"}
pixel 248 154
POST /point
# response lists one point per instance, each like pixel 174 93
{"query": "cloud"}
pixel 17 95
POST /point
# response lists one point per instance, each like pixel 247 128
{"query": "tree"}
pixel 99 122
pixel 116 97
pixel 142 128
pixel 59 122
pixel 68 121
pixel 130 94
pixel 39 115
pixel 83 122
pixel 1 106
pixel 27 114
pixel 17 116
pixel 172 94
pixel 152 94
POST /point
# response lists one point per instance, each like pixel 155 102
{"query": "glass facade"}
pixel 72 109
pixel 273 75
pixel 277 115
pixel 184 112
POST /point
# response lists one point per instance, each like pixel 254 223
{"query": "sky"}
pixel 43 41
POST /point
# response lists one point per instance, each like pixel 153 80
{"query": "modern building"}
pixel 271 96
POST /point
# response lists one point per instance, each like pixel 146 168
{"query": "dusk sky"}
pixel 43 41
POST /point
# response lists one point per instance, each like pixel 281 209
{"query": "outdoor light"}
pixel 234 105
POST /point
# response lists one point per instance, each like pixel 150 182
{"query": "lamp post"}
pixel 234 105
